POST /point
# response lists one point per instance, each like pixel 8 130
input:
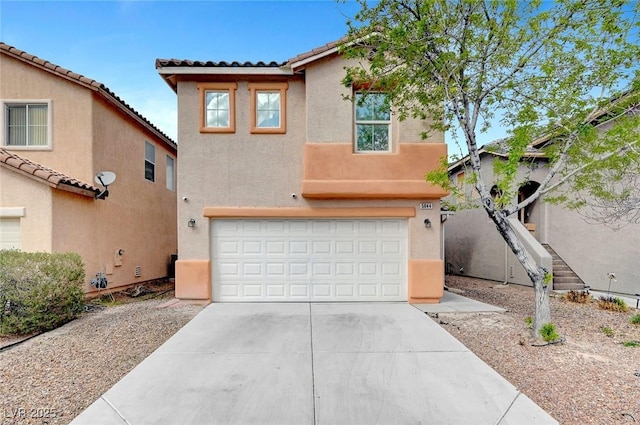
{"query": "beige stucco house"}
pixel 289 192
pixel 578 253
pixel 59 129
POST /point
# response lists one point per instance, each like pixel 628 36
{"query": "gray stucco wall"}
pixel 591 250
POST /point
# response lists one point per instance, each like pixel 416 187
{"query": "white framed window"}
pixel 268 107
pixel 149 162
pixel 26 124
pixel 372 122
pixel 171 181
pixel 217 107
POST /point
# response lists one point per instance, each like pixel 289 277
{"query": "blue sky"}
pixel 117 42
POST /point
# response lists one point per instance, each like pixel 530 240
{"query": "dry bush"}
pixel 612 303
pixel 580 297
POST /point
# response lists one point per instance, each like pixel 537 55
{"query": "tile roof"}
pixel 86 82
pixel 211 64
pixel 318 51
pixel 45 175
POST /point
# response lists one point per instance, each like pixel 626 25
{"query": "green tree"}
pixel 540 67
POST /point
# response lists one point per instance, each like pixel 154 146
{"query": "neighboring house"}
pixel 289 192
pixel 59 129
pixel 577 253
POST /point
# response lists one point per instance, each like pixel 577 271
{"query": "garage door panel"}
pixel 309 260
pixel 276 247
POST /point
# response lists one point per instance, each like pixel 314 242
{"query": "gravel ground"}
pixel 591 378
pixel 52 378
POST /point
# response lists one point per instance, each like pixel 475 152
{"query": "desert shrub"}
pixel 635 319
pixel 548 332
pixel 631 344
pixel 529 322
pixel 39 291
pixel 580 297
pixel 607 331
pixel 612 303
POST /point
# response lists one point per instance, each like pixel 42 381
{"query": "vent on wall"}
pixel 138 272
pixel 511 272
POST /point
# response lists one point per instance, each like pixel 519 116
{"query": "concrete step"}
pixel 568 280
pixel 568 286
pixel 564 279
pixel 562 273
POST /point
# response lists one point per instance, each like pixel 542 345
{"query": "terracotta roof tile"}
pixel 211 64
pixel 317 50
pixel 41 172
pixel 81 79
pixel 235 64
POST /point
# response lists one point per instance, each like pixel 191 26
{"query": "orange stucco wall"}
pixel 426 281
pixel 333 170
pixel 139 216
pixel 19 191
pixel 193 280
pixel 71 148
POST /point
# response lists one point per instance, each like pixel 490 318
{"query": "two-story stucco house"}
pixel 289 192
pixel 60 129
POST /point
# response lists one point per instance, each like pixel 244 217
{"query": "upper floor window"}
pixel 373 122
pixel 149 162
pixel 171 184
pixel 268 107
pixel 27 124
pixel 217 107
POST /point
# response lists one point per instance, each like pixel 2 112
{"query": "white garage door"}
pixel 10 233
pixel 309 260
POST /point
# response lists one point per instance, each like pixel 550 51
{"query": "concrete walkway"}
pixel 454 303
pixel 300 363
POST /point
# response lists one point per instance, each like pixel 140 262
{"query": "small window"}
pixel 27 124
pixel 217 107
pixel 149 162
pixel 268 107
pixel 373 122
pixel 171 185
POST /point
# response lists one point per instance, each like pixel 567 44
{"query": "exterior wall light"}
pixel 427 223
pixel 191 222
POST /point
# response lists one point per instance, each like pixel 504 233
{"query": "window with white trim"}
pixel 372 122
pixel 27 124
pixel 171 185
pixel 149 162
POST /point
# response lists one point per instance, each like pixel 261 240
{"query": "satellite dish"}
pixel 105 178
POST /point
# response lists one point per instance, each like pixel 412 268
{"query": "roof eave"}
pixel 303 62
pixel 91 193
pixel 77 190
pixel 189 70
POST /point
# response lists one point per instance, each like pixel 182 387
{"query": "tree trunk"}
pixel 537 274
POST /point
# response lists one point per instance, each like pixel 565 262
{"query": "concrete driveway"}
pixel 301 363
